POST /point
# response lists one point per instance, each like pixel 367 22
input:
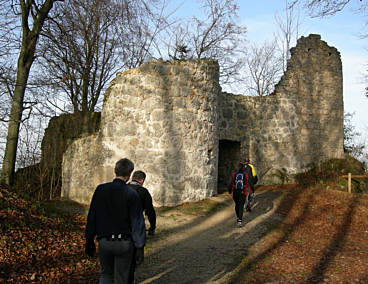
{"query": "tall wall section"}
pixel 162 116
pixel 300 123
pixel 172 120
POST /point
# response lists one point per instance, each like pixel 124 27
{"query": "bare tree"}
pixel 352 145
pixel 322 8
pixel 31 134
pixel 95 40
pixel 7 82
pixel 113 35
pixel 264 67
pixel 80 53
pixel 32 16
pixel 217 36
pixel 289 24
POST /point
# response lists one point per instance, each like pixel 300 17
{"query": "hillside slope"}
pixel 322 239
pixel 292 235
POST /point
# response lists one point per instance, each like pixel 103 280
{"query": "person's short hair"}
pixel 124 167
pixel 138 175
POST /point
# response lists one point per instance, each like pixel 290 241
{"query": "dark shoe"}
pixel 151 232
pixel 248 209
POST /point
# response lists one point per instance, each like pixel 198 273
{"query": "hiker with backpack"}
pixel 238 190
pixel 252 181
pixel 138 179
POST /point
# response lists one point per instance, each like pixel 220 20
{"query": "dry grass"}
pixel 323 239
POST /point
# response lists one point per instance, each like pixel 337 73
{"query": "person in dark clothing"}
pixel 237 189
pixel 115 217
pixel 138 179
pixel 252 180
pixel 252 175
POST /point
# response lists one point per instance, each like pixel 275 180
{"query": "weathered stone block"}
pixel 227 113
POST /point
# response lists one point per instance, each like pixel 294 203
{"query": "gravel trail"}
pixel 206 249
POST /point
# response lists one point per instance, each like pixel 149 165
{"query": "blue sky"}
pixel 340 31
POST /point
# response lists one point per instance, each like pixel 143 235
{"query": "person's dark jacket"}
pixel 116 209
pixel 252 177
pixel 146 201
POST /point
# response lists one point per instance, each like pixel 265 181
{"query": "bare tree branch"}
pixel 322 8
pixel 264 68
pixel 218 36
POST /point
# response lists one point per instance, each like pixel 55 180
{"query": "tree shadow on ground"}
pixel 206 249
pixel 329 252
pixel 287 204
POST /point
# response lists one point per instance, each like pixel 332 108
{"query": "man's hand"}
pixel 139 256
pixel 90 248
pixel 151 232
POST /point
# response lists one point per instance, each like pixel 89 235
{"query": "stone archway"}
pixel 229 157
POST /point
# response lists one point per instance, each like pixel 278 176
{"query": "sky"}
pixel 340 31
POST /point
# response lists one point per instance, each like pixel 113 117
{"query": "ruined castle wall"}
pixel 84 167
pixel 163 117
pixel 169 118
pixel 300 123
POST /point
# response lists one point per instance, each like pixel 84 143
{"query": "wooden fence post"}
pixel 349 182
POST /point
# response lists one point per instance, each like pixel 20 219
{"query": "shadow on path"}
pixel 210 247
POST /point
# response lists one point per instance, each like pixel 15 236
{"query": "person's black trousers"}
pixel 239 199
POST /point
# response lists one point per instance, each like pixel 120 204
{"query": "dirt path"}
pixel 206 249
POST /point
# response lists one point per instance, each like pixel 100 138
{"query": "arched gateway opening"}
pixel 229 157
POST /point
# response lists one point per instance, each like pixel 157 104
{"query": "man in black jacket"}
pixel 115 217
pixel 138 179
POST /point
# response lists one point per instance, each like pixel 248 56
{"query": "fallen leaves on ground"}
pixel 323 239
pixel 37 248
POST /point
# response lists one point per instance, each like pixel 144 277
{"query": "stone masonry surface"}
pixel 169 119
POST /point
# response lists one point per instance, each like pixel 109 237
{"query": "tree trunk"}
pixel 7 172
pixel 25 60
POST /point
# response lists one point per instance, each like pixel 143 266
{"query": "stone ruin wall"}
pixel 300 123
pixel 169 118
pixel 162 116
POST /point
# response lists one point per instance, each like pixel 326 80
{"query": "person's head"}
pixel 241 166
pixel 246 161
pixel 124 168
pixel 139 176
